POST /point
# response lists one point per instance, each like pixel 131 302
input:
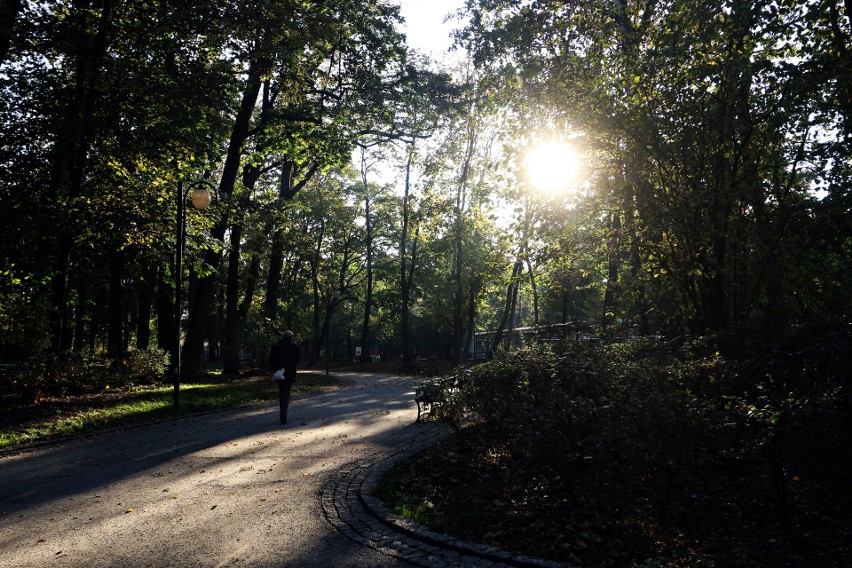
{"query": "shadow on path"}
pixel 33 477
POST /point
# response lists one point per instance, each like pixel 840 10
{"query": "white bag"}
pixel 279 375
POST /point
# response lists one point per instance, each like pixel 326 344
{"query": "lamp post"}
pixel 332 307
pixel 200 199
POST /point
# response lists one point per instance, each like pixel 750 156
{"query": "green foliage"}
pixel 146 367
pixel 50 375
pixel 702 120
pixel 411 502
pixel 648 452
pixel 23 325
pixel 716 136
pixel 75 373
pixel 665 411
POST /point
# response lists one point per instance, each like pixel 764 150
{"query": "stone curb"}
pixel 350 507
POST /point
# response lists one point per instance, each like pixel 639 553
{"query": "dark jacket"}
pixel 284 354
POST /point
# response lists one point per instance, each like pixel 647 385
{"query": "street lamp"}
pixel 332 307
pixel 200 199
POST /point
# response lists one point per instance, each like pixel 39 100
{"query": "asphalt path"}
pixel 230 488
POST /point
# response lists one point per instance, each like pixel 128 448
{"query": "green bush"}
pixel 24 321
pixel 76 373
pixel 49 375
pixel 666 411
pixel 146 367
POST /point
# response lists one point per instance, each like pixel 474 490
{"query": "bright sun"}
pixel 552 166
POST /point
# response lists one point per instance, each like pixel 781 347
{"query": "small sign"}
pixel 357 351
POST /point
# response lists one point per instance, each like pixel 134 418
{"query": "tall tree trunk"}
pixel 841 41
pixel 233 325
pixel 292 271
pixel 406 272
pixel 471 316
pixel 458 292
pixel 458 276
pixel 641 291
pixel 288 186
pixel 115 341
pixel 534 286
pixel 234 317
pixel 80 317
pixel 273 281
pixel 165 306
pixel 506 320
pixel 145 286
pixel 513 308
pixel 608 316
pixel 69 159
pixel 203 300
pixel 251 286
pixel 321 338
pixel 636 260
pixel 216 326
pixel 316 339
pixel 507 308
pixel 368 290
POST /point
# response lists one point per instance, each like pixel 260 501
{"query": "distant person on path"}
pixel 284 355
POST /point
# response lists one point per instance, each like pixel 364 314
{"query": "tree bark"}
pixel 288 187
pixel 233 325
pixel 458 292
pixel 80 317
pixel 368 291
pixel 145 292
pixel 115 334
pixel 236 311
pixel 458 277
pixel 841 41
pixel 316 342
pixel 608 315
pixel 273 281
pixel 636 263
pixel 204 296
pixel 507 308
pixel 69 159
pixel 534 286
pixel 471 316
pixel 406 273
pixel 510 328
pixel 165 307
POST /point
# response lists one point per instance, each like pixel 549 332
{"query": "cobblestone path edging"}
pixel 349 505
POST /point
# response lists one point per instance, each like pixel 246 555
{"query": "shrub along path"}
pixel 643 453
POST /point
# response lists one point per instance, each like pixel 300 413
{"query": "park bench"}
pixel 430 395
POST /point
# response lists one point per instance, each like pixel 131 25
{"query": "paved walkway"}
pixel 231 489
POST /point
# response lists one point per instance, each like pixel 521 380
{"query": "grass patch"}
pixel 51 419
pixel 455 489
pixel 409 496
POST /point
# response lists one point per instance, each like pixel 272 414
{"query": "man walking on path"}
pixel 284 355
